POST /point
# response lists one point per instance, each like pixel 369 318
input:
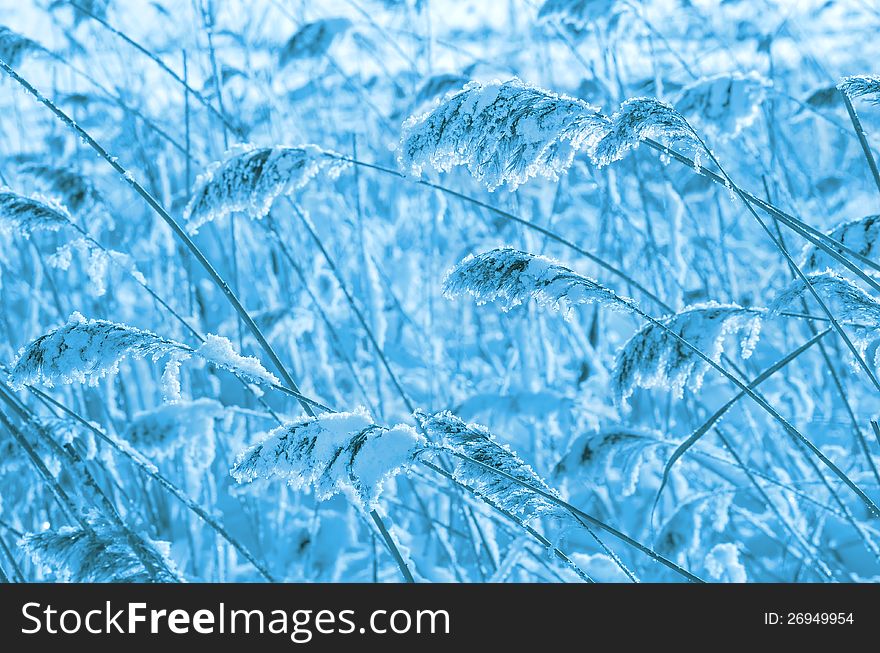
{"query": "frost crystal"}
pixel 505 133
pixel 84 351
pixel 29 214
pixel 477 443
pixel 512 276
pixel 723 105
pixel 858 235
pixel 858 86
pixel 638 119
pixel 332 453
pixel 249 179
pixel 104 555
pixel 652 358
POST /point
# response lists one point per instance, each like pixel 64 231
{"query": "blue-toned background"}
pixel 424 290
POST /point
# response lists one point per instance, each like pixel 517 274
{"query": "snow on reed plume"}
pixel 577 13
pixel 723 105
pixel 28 214
pixel 652 358
pixel 13 46
pixel 504 132
pixel 638 119
pixel 857 86
pixel 614 453
pixel 849 302
pixel 75 190
pixel 332 453
pixel 104 555
pixel 478 444
pixel 861 236
pixel 510 277
pixel 85 351
pixel 723 564
pixel 313 39
pixel 162 431
pixel 250 178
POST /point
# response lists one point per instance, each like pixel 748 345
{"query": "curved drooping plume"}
pixel 13 46
pixel 250 178
pixel 73 188
pixel 577 13
pixel 510 277
pixel 28 214
pixel 313 39
pixel 504 132
pixel 723 105
pixel 640 118
pixel 478 444
pixel 652 358
pixel 85 351
pixel 104 555
pixel 332 453
pixel 861 236
pixel 857 86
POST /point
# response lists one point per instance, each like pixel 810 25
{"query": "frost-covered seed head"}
pixel 723 105
pixel 652 358
pixel 510 277
pixel 504 132
pixel 28 214
pixel 638 119
pixel 250 179
pixel 858 86
pixel 332 453
pixel 861 236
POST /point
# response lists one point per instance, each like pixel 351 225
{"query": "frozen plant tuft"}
pixel 85 351
pixel 478 444
pixel 857 86
pixel 250 178
pixel 102 554
pixel 219 351
pixel 313 39
pixel 652 358
pixel 723 105
pixel 28 214
pixel 504 132
pixel 509 276
pixel 861 236
pixel 723 564
pixel 638 119
pixel 332 453
pixel 577 13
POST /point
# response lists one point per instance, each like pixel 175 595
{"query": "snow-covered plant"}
pixel 723 105
pixel 652 358
pixel 332 453
pixel 851 304
pixel 610 454
pixel 476 443
pixel 723 564
pixel 13 46
pixel 504 132
pixel 856 86
pixel 640 118
pixel 98 261
pixel 84 351
pixel 577 13
pixel 75 190
pixel 250 178
pixel 860 236
pixel 160 432
pixel 313 39
pixel 102 554
pixel 510 277
pixel 28 214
